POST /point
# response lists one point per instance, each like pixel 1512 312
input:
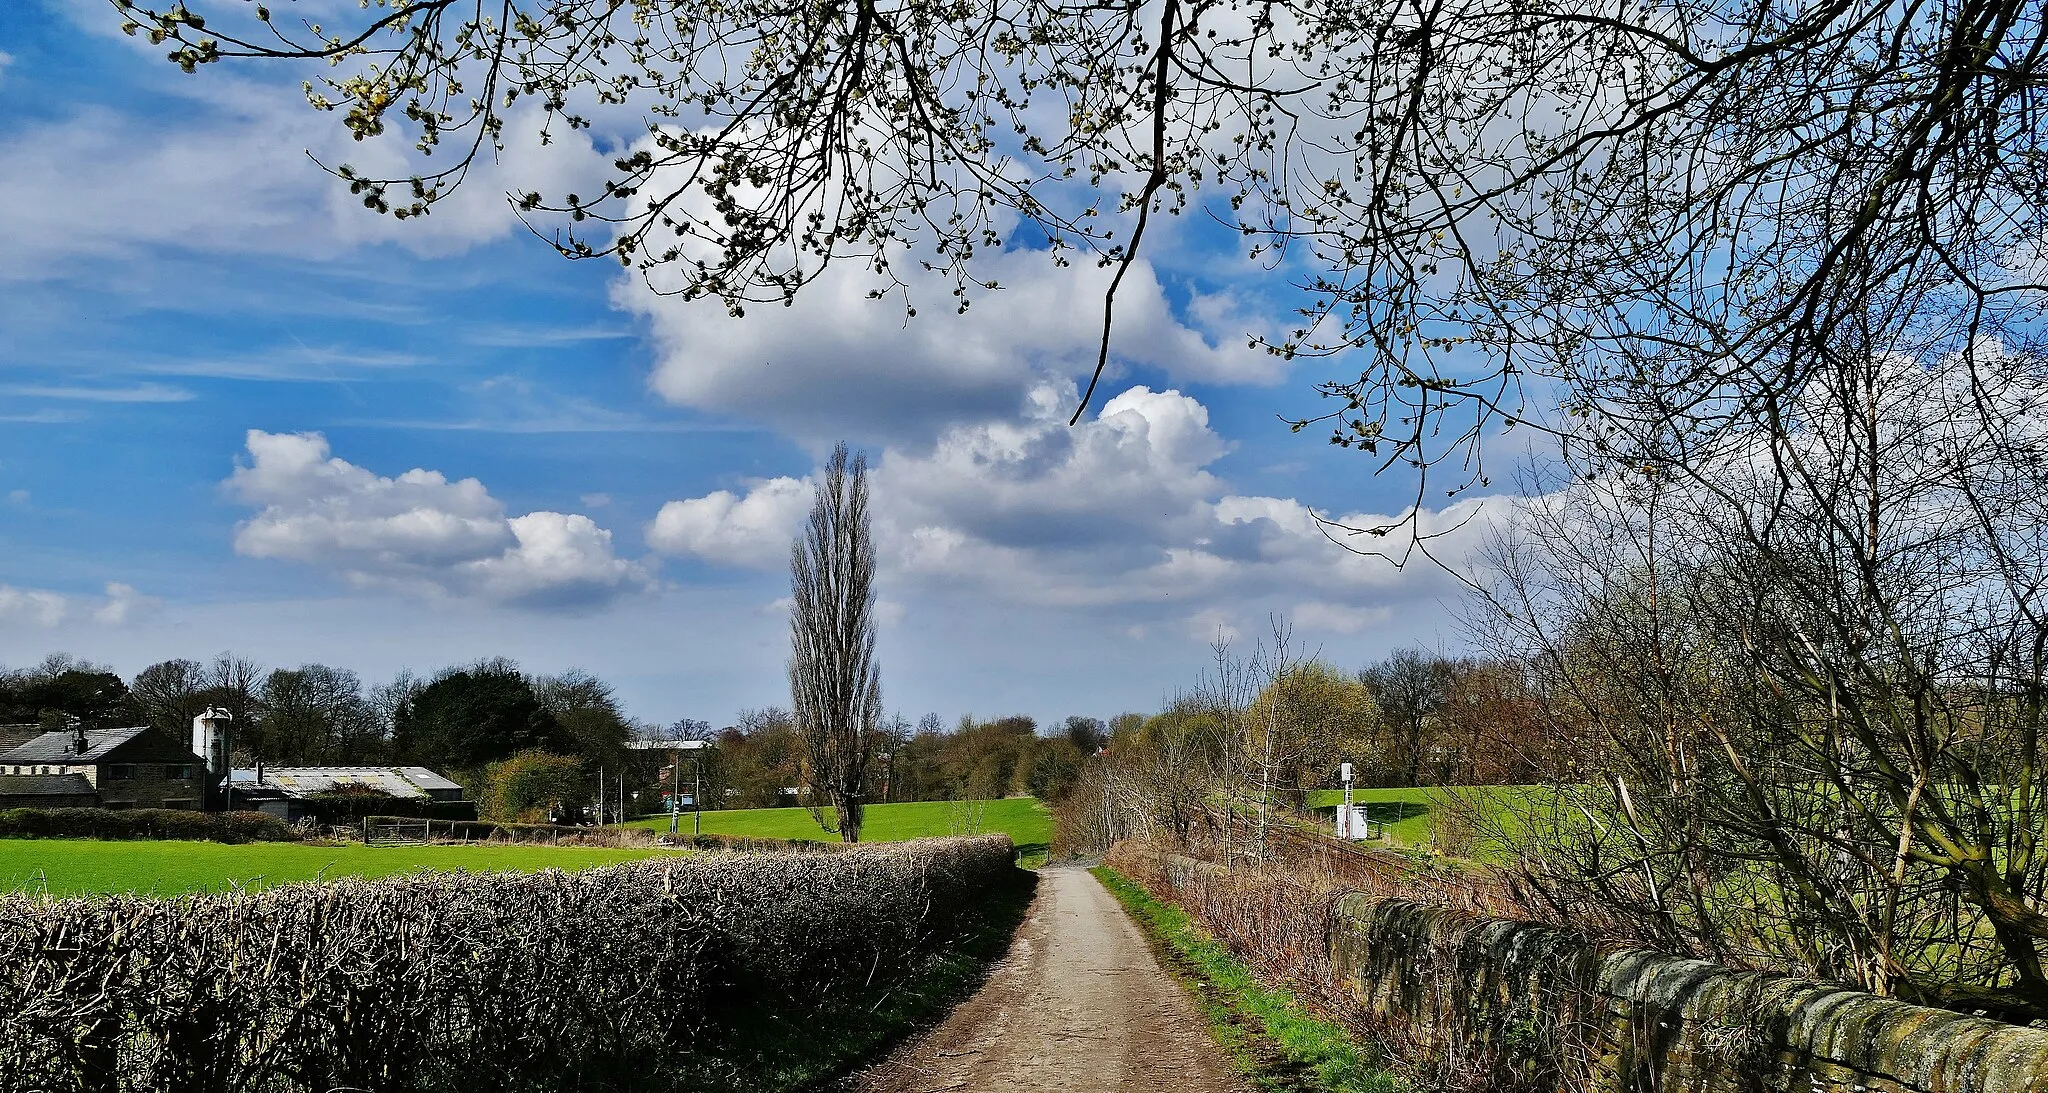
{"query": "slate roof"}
pixel 44 785
pixel 55 747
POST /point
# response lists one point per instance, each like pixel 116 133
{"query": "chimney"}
pixel 78 742
pixel 259 772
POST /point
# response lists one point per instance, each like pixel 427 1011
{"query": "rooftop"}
pixel 44 785
pixel 57 747
pixel 311 781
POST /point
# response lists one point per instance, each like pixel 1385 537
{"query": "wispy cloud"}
pixel 140 392
pixel 43 417
pixel 512 335
pixel 285 364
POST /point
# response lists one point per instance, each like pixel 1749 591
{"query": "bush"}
pixel 143 823
pixel 529 785
pixel 631 977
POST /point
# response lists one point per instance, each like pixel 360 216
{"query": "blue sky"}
pixel 237 412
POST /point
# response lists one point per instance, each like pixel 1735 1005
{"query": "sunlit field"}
pixel 70 867
pixel 1024 819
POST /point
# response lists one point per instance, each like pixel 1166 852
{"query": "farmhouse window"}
pixel 120 772
pixel 177 771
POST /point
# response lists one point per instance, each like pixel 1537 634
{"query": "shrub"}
pixel 526 787
pixel 623 978
pixel 143 823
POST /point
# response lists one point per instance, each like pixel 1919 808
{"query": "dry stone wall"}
pixel 1534 1007
pixel 1643 1022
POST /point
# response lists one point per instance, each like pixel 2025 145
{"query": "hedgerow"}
pixel 143 823
pixel 632 977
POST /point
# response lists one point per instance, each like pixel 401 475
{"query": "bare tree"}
pixel 835 688
pixel 1804 664
pixel 1411 686
pixel 170 694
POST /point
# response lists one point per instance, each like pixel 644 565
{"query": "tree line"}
pixel 530 745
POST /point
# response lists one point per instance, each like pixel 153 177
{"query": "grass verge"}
pixel 1275 1042
pixel 814 1047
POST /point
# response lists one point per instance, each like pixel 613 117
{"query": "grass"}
pixel 73 867
pixel 1275 1042
pixel 1024 819
pixel 1422 817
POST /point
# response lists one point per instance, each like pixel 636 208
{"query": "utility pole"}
pixel 675 749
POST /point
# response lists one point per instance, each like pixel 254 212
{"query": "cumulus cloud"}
pixel 418 531
pixel 838 356
pixel 1120 516
pixel 753 531
pixel 41 608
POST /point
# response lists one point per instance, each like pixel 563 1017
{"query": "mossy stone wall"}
pixel 1630 1021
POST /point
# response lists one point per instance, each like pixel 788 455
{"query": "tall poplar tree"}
pixel 835 688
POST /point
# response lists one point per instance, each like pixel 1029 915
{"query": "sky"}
pixel 238 412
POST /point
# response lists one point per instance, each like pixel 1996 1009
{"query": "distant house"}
pixel 113 768
pixel 285 792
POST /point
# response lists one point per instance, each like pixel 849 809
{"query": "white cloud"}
pixel 753 531
pixel 232 174
pixel 838 359
pixel 45 609
pixel 418 532
pixel 31 607
pixel 125 605
pixel 1118 516
pixel 137 392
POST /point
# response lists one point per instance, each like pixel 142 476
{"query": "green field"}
pixel 71 867
pixel 1023 819
pixel 1438 817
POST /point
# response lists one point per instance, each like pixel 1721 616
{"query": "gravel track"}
pixel 1079 1003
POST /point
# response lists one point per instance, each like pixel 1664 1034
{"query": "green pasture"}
pixel 73 867
pixel 1024 819
pixel 1454 820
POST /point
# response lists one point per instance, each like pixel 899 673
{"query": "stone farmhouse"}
pixel 134 767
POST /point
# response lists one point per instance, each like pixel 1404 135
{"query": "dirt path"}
pixel 1079 1003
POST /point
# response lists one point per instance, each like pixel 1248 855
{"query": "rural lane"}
pixel 1079 1003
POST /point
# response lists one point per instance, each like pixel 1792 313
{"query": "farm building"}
pixel 134 767
pixel 290 792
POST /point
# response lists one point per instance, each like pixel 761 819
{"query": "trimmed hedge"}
pixel 143 823
pixel 631 977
